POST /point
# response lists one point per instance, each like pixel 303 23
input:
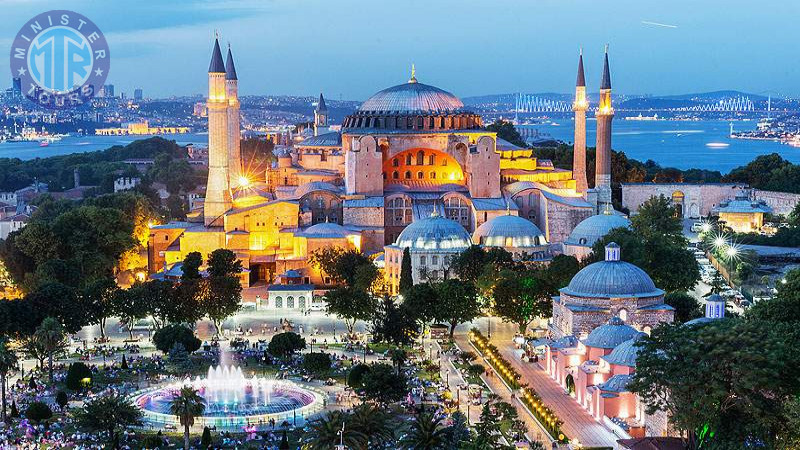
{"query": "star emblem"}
pixel 21 71
pixel 98 72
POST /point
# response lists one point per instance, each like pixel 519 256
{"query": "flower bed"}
pixel 528 396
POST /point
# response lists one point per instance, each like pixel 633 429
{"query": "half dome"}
pixel 509 231
pixel 610 335
pixel 593 228
pixel 326 230
pixel 434 233
pixel 625 354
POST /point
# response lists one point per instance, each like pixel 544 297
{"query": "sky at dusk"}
pixel 351 49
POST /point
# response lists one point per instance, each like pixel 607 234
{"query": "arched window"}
pixel 395 175
pixel 398 212
pixel 408 175
pixel 408 159
pixel 395 163
pixel 279 302
pixel 457 209
pixel 420 158
pixel 302 302
pixel 420 175
pixel 422 260
pixel 431 159
pixel 433 175
pixel 290 302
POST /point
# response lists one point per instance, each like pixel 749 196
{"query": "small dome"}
pixel 434 233
pixel 326 230
pixel 412 97
pixel 617 383
pixel 610 335
pixel 307 188
pixel 625 354
pixel 611 278
pixel 593 228
pixel 509 231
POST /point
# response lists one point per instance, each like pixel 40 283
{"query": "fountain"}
pixel 233 401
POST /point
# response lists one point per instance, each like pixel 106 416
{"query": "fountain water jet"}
pixel 233 401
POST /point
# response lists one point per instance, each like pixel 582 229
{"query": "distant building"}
pixel 137 94
pixel 743 214
pixel 108 91
pixel 16 87
pixel 13 223
pixel 200 110
pixel 126 183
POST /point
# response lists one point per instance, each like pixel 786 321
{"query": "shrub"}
pixel 355 378
pixel 152 441
pixel 283 345
pixel 76 373
pixel 476 369
pixel 318 364
pixel 38 412
pixel 384 385
pixel 166 338
pixel 62 399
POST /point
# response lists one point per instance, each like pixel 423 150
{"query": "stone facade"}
pixel 782 203
pixel 579 316
pixel 695 200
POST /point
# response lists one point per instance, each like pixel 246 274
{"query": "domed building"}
pixel 409 152
pixel 606 289
pixel 432 243
pixel 592 229
pixel 520 237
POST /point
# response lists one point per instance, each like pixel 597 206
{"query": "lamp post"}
pixel 489 319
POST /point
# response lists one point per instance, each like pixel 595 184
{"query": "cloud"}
pixel 657 24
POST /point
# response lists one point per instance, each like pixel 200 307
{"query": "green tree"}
pixel 424 299
pixel 186 405
pixel 425 433
pixel 224 293
pixel 341 265
pixel 657 217
pixel 53 341
pixel 317 364
pixel 62 400
pixel 376 423
pixel 458 303
pixel 406 272
pixel 131 305
pixel 350 305
pixel 324 433
pixel 468 265
pixel 686 306
pixel 383 385
pixel 285 344
pixel 398 357
pixel 734 390
pixel 76 373
pixel 110 413
pixel 784 307
pixel 8 362
pixel 355 377
pixel 98 297
pixel 519 297
pixel 205 440
pixel 191 266
pixel 166 338
pixel 458 433
pixel 393 323
pixel 38 412
pixel 505 130
pixel 561 270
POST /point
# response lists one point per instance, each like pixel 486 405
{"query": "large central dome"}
pixel 412 107
pixel 412 97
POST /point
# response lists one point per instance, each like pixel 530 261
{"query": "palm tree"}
pixel 375 423
pixel 8 361
pixel 426 433
pixel 52 339
pixel 334 427
pixel 187 405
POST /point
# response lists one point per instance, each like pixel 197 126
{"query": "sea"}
pixel 679 144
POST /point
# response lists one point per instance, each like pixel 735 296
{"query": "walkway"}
pixel 578 423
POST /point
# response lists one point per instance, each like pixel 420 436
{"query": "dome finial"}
pixel 435 212
pixel 413 78
pixel 607 210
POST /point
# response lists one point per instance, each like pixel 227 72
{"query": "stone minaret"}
pixel 236 175
pixel 605 113
pixel 320 117
pixel 218 194
pixel 579 147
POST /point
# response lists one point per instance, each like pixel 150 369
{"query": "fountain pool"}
pixel 233 401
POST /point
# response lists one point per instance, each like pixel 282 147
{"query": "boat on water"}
pixel 717 145
pixel 641 117
pixel 30 134
pixel 44 143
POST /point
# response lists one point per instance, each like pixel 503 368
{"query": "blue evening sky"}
pixel 350 49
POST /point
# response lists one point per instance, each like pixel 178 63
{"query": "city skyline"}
pixel 348 52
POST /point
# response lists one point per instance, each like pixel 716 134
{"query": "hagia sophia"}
pixel 414 169
pixel 411 168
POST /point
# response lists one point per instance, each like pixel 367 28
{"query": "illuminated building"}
pixel 411 156
pixel 605 113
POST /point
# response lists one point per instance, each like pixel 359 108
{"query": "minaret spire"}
pixel 230 68
pixel 579 147
pixel 216 66
pixel 605 114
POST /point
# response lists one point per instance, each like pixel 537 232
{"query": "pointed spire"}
pixel 605 83
pixel 216 66
pixel 230 69
pixel 413 78
pixel 581 82
pixel 321 103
